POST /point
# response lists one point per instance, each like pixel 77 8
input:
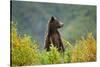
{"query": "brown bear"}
pixel 53 35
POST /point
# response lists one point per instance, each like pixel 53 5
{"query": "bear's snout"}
pixel 61 24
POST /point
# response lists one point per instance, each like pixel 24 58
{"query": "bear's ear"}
pixel 52 18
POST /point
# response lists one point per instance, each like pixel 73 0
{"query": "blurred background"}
pixel 32 19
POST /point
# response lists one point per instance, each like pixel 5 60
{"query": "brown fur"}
pixel 53 35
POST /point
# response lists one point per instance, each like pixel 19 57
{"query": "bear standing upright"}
pixel 53 35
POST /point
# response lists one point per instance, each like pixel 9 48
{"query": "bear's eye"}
pixel 56 22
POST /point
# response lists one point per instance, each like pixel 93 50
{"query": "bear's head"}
pixel 54 23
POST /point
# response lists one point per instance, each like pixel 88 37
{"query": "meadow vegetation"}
pixel 25 51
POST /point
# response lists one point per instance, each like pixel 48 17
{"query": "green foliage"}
pixel 25 51
pixel 51 57
pixel 23 55
pixel 68 51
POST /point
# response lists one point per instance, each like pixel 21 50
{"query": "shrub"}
pixel 51 57
pixel 84 50
pixel 24 51
pixel 68 51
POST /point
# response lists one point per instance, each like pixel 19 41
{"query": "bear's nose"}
pixel 61 24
